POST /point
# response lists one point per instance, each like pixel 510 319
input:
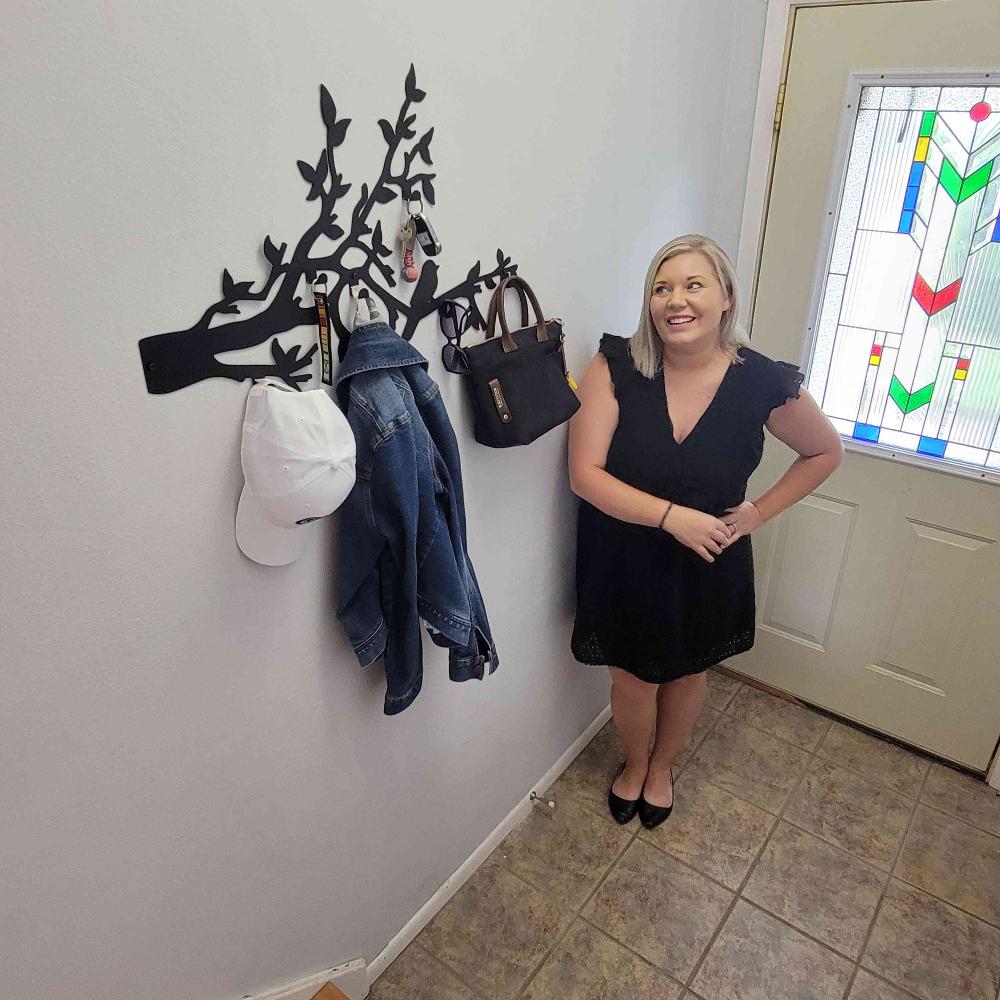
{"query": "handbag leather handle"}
pixel 517 283
pixel 491 314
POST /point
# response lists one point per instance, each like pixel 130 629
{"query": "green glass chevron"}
pixel 976 181
pixel 951 179
pixel 960 188
pixel 909 401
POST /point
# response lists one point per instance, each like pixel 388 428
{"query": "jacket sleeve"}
pixel 359 602
pixel 396 500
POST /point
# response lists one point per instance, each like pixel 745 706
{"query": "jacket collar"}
pixel 374 346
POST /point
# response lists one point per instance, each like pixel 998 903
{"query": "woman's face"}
pixel 687 301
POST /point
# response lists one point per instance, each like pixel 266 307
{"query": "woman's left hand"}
pixel 742 520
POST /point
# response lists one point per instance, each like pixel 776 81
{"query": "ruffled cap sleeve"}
pixel 784 383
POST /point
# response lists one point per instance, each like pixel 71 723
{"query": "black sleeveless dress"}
pixel 646 603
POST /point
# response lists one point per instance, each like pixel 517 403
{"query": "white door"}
pixel 879 596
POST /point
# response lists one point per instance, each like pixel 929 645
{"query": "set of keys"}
pixel 416 231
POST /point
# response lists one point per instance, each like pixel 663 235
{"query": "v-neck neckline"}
pixel 704 413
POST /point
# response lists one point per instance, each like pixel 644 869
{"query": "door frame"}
pixel 779 27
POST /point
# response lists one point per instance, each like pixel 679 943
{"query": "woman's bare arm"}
pixel 803 426
pixel 590 433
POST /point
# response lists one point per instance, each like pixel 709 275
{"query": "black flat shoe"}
pixel 652 816
pixel 621 809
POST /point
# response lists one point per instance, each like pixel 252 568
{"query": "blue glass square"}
pixel 866 432
pixel 910 202
pixel 906 222
pixel 996 232
pixel 931 446
pixel 916 173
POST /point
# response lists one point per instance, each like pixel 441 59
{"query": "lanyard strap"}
pixel 319 295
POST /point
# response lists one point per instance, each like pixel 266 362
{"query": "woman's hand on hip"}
pixel 742 520
pixel 700 532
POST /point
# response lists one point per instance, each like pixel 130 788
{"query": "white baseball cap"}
pixel 298 455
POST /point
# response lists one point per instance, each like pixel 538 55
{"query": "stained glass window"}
pixel 907 348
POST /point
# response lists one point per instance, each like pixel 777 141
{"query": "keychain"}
pixel 407 235
pixel 426 237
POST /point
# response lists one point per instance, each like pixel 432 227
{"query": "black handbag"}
pixel 520 384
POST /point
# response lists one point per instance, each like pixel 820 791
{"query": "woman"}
pixel 669 431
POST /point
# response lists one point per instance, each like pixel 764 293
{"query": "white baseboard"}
pixel 426 913
pixel 351 978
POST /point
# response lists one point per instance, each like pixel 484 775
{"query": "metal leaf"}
pixel 336 133
pixel 387 132
pixel 271 252
pixel 308 174
pixel 424 147
pixel 326 106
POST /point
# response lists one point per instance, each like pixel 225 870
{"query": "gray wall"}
pixel 201 796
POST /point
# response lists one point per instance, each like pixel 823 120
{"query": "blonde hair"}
pixel 645 346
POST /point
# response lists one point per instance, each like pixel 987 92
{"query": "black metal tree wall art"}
pixel 181 358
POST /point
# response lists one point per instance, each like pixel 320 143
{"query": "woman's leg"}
pixel 633 705
pixel 679 704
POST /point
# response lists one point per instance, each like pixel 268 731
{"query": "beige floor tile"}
pixel 712 830
pixel 794 723
pixel 659 908
pixel 494 931
pixel 869 987
pixel 878 760
pixel 756 957
pixel 822 890
pixel 840 806
pixel 955 861
pixel 721 689
pixel 751 764
pixel 588 964
pixel 932 949
pixel 588 777
pixel 417 975
pixel 963 796
pixel 563 851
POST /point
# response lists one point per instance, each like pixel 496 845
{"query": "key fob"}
pixel 426 238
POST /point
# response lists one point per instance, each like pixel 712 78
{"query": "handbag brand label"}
pixel 499 401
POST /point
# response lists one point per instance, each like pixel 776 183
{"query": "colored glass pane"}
pixel 913 275
pixel 951 180
pixel 977 181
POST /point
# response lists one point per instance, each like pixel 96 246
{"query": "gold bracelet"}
pixel 663 519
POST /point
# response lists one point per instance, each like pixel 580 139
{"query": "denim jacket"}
pixel 403 551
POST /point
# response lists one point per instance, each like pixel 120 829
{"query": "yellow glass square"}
pixel 922 145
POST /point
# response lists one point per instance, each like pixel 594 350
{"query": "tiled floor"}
pixel 804 860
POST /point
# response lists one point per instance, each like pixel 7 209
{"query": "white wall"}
pixel 201 796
